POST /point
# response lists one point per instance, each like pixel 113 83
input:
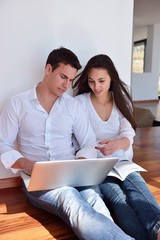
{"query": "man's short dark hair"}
pixel 63 55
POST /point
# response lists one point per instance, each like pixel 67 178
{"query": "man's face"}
pixel 60 79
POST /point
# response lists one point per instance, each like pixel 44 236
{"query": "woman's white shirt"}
pixel 115 127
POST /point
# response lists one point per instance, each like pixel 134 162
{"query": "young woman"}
pixel 109 106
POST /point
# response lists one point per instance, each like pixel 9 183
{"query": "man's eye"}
pixel 63 77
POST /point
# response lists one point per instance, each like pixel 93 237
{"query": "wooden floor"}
pixel 147 154
pixel 19 220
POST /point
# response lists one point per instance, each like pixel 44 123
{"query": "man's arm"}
pixel 84 134
pixel 24 164
pixel 9 123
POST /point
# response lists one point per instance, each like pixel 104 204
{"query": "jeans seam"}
pixel 145 198
pixel 154 228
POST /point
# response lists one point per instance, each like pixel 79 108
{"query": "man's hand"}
pixel 24 164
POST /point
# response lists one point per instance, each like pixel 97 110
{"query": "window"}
pixel 139 52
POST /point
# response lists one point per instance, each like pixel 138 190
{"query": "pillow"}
pixel 144 117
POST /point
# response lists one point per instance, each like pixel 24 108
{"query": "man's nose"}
pixel 66 83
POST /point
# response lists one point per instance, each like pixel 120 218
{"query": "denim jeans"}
pixel 79 209
pixel 134 206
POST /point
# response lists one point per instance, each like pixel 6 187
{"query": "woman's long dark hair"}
pixel 120 90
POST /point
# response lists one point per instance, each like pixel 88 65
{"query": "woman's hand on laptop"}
pixel 25 164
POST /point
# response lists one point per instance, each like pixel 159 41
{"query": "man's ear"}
pixel 48 69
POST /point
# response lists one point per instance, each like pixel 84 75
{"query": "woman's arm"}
pixel 111 146
pixel 122 141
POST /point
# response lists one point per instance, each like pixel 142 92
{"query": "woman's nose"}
pixel 96 85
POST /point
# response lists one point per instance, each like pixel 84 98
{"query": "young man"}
pixel 44 119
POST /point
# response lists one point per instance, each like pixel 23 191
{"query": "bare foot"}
pixel 158 235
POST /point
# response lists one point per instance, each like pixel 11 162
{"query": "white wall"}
pixel 31 29
pixel 139 33
pixel 145 85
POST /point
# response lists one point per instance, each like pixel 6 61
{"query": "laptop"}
pixel 75 173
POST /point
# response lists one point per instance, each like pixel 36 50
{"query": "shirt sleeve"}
pixel 126 130
pixel 8 135
pixel 84 134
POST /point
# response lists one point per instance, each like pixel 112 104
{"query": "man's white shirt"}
pixel 42 136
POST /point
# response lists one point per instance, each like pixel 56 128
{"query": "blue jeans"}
pixel 134 206
pixel 76 208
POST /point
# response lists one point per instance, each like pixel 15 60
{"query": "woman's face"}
pixel 99 81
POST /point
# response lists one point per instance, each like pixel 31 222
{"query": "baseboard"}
pixel 10 182
pixel 147 101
